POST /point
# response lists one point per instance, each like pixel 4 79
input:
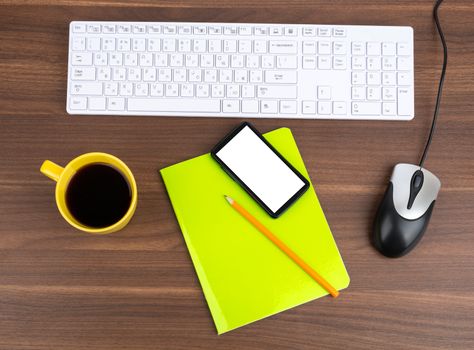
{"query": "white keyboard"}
pixel 241 70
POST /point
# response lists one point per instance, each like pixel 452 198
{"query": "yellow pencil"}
pixel 291 254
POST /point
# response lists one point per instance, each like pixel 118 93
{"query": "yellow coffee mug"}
pixel 62 176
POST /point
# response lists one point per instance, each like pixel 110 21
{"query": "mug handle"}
pixel 51 170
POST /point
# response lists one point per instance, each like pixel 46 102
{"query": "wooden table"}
pixel 62 289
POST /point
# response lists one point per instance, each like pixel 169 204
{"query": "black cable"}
pixel 441 81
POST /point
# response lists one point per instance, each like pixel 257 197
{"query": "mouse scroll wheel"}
pixel 415 186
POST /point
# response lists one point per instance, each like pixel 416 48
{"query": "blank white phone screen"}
pixel 260 169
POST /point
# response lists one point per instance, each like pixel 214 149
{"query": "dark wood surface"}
pixel 63 289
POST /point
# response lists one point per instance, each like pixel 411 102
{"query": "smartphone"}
pixel 263 172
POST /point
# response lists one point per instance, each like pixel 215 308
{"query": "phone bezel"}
pixel 227 139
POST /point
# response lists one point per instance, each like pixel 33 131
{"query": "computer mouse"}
pixel 405 210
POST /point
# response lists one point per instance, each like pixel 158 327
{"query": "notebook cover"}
pixel 244 276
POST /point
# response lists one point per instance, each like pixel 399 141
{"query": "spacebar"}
pixel 173 105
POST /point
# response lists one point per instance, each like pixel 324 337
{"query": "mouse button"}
pixel 415 186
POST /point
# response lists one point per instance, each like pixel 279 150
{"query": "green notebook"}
pixel 244 276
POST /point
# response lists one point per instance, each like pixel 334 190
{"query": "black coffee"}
pixel 98 195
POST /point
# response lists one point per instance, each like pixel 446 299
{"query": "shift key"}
pixel 86 88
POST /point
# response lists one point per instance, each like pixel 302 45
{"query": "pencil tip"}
pixel 228 199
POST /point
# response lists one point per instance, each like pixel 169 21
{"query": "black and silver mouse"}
pixel 405 211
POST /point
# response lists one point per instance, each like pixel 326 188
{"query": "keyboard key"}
pixel 358 48
pixel 138 44
pixel 339 108
pixel 116 104
pixel 324 48
pixel 280 77
pixel 187 90
pixel 374 63
pixel 403 63
pixel 157 89
pixel 373 93
pixel 79 44
pixel 339 32
pixel 339 48
pixel 389 94
pixel 309 107
pixel 404 78
pixel 324 107
pixel 373 78
pixel 286 47
pixel 389 63
pixel 81 59
pixel 389 78
pixel 373 49
pixel 97 103
pixel 358 78
pixel 309 47
pixel 339 62
pixel 324 31
pixel 389 108
pixel 324 92
pixel 83 73
pixel 249 106
pixel 79 28
pixel 403 49
pixel 84 88
pixel 405 102
pixel 288 107
pixel 189 105
pixel 276 91
pixel 108 29
pixel 269 106
pixel 358 63
pixel 388 49
pixel 78 103
pixel 358 93
pixel 366 108
pixel 309 62
pixel 324 62
pixel 230 106
pixel 287 62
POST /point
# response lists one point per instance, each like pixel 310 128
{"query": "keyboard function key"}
pixel 139 29
pixel 124 29
pixel 154 29
pixel 108 29
pixel 169 29
pixel 339 32
pixel 290 31
pixel 79 28
pixel 245 30
pixel 93 28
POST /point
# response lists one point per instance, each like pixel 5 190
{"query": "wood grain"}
pixel 136 289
